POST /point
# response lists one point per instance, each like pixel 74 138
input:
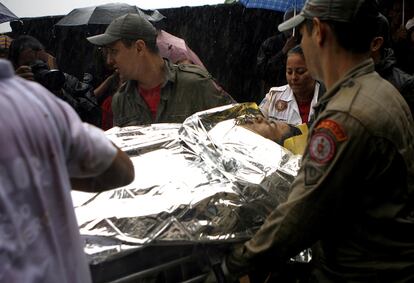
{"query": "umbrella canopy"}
pixel 6 15
pixel 104 14
pixel 276 5
pixel 176 49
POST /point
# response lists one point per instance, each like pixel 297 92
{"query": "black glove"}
pixel 219 273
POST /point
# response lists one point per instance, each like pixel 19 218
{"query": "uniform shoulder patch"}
pixel 312 175
pixel 322 147
pixel 332 126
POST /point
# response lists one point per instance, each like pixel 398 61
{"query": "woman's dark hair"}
pixel 296 50
pixel 20 44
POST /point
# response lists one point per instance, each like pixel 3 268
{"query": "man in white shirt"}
pixel 44 144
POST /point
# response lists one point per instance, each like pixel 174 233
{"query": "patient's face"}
pixel 273 130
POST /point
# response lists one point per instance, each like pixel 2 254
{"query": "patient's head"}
pixel 276 131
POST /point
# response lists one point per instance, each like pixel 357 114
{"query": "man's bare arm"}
pixel 120 173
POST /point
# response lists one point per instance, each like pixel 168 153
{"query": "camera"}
pixel 53 80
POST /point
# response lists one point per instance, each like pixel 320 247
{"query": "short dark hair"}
pixel 293 131
pixel 355 36
pixel 383 30
pixel 22 43
pixel 151 44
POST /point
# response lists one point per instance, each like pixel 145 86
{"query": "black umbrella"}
pixel 6 15
pixel 104 14
pixel 275 5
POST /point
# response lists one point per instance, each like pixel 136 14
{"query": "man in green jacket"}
pixel 156 90
pixel 353 198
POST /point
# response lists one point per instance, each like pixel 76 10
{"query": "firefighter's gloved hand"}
pixel 219 273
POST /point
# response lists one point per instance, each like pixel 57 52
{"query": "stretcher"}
pixel 200 187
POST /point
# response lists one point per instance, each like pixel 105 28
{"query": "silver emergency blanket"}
pixel 207 179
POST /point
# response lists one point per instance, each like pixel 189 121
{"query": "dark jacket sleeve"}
pixel 271 61
pixel 407 91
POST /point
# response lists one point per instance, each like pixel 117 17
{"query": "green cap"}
pixel 333 10
pixel 129 26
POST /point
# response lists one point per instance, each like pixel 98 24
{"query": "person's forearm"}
pixel 273 65
pixel 101 88
pixel 120 173
pixel 104 86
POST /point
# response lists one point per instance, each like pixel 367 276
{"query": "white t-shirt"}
pixel 43 143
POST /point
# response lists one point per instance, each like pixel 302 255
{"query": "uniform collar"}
pixel 365 67
pixel 170 72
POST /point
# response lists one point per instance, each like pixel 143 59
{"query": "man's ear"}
pixel 319 30
pixel 140 45
pixel 377 43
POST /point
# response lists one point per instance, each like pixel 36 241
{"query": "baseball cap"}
pixel 335 10
pixel 409 24
pixel 129 26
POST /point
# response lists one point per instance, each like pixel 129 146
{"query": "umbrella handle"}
pixel 294 14
pixel 403 13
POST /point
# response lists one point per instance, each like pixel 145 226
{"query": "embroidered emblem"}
pixel 322 148
pixel 281 105
pixel 312 175
pixel 334 128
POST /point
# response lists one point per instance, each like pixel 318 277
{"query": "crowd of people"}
pixel 352 201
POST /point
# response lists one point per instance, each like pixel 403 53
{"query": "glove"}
pixel 219 273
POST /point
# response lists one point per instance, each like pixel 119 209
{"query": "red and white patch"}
pixel 281 105
pixel 322 147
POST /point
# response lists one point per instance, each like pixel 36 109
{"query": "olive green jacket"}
pixel 353 198
pixel 187 89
